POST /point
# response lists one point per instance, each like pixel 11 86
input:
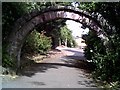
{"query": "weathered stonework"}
pixel 28 22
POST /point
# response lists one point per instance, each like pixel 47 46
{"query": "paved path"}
pixel 55 72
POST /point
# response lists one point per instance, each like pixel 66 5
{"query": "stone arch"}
pixel 28 22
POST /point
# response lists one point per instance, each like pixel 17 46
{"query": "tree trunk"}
pixel 59 42
pixel 66 42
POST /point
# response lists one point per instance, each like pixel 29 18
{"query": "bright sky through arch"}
pixel 76 29
pixel 75 4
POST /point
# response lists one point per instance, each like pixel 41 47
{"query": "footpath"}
pixel 56 71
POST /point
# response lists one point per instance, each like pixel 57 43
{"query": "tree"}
pixel 106 53
pixel 37 42
pixel 66 37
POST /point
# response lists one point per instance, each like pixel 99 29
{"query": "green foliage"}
pixel 104 57
pixel 6 60
pixel 52 30
pixel 58 30
pixel 88 6
pixel 64 33
pixel 66 37
pixel 105 54
pixel 11 12
pixel 37 42
pixel 94 45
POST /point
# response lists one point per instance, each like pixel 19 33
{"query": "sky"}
pixel 76 29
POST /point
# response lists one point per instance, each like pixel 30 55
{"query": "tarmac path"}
pixel 62 70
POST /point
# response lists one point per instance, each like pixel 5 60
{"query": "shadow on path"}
pixel 43 67
pixel 76 60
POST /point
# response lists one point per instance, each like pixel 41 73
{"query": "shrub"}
pixel 37 42
pixel 104 56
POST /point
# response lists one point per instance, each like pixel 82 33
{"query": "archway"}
pixel 28 22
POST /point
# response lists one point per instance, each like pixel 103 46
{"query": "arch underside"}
pixel 28 22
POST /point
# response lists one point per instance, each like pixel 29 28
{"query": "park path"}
pixel 58 71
